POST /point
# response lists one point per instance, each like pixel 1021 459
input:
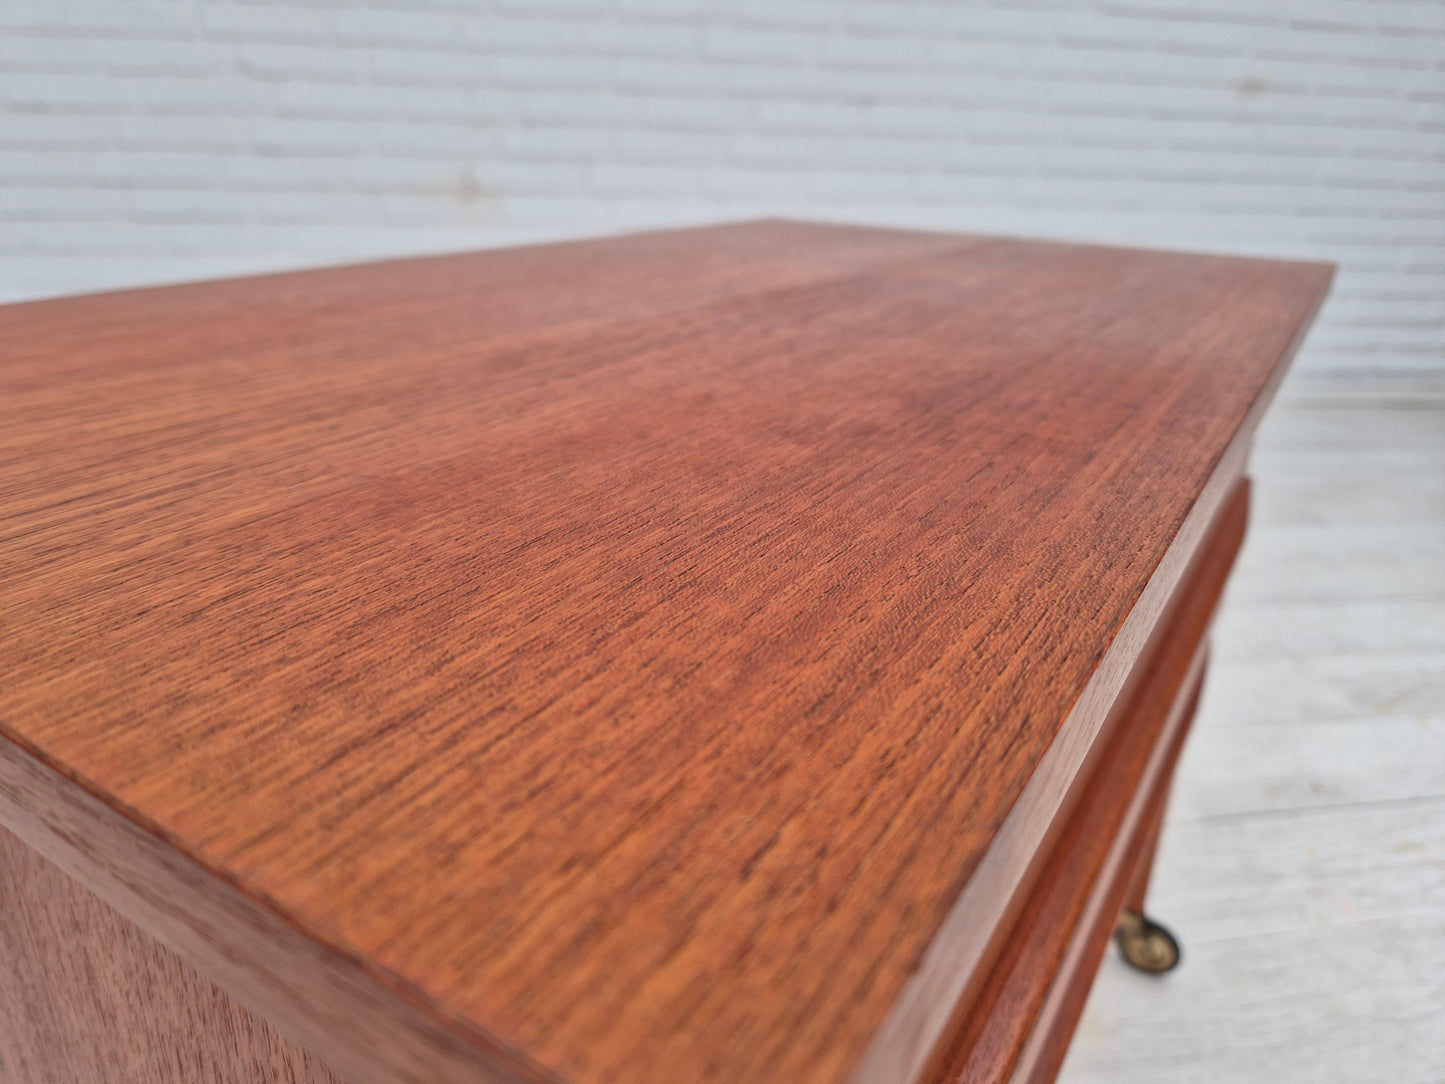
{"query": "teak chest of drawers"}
pixel 745 654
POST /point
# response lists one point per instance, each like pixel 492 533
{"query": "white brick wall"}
pixel 153 140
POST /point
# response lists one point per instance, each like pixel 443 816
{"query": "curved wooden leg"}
pixel 1144 858
pixel 1145 944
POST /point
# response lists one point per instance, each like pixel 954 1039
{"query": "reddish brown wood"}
pixel 86 996
pixel 1138 889
pixel 1143 855
pixel 1017 1024
pixel 1043 1055
pixel 649 659
pixel 366 1026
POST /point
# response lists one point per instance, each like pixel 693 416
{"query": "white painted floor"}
pixel 1303 863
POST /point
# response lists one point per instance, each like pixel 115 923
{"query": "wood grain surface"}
pixel 1017 1024
pixel 85 996
pixel 629 650
pixel 368 1026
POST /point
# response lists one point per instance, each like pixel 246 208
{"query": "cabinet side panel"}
pixel 87 996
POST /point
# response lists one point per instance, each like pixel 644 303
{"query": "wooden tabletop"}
pixel 629 650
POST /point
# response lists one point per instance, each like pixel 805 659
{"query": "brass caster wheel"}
pixel 1146 945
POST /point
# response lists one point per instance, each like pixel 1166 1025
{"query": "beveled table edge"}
pixel 904 1046
pixel 367 1024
